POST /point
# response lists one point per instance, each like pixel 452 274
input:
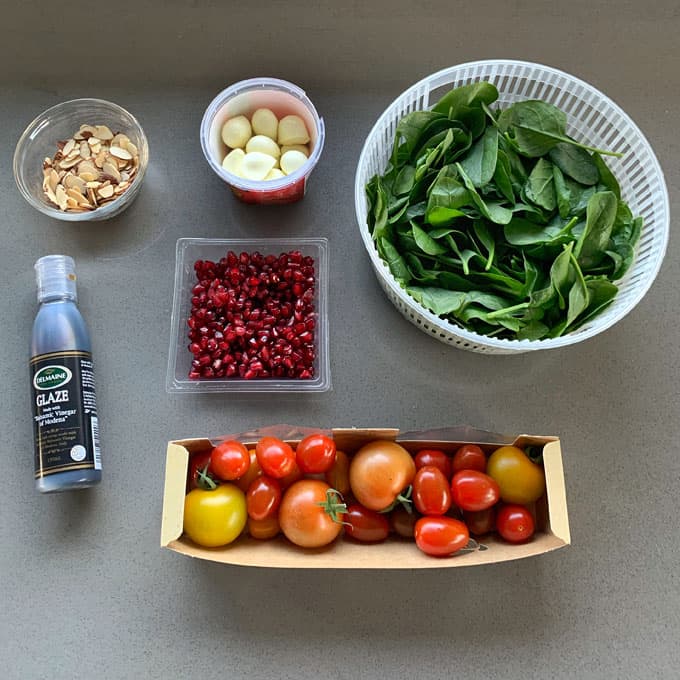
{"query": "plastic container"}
pixel 39 141
pixel 592 118
pixel 244 98
pixel 179 362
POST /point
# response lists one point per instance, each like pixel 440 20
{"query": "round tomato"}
pixel 520 479
pixel 230 460
pixel 315 453
pixel 214 518
pixel 263 497
pixel 337 477
pixel 480 521
pixel 263 529
pixel 276 458
pixel 441 536
pixel 473 490
pixel 515 523
pixel 468 457
pixel 367 526
pixel 199 469
pixel 431 491
pixel 253 471
pixel 379 472
pixel 403 522
pixel 434 458
pixel 310 514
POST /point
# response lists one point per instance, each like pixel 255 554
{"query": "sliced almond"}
pixel 53 180
pixel 103 132
pixel 88 176
pixel 92 141
pixel 87 166
pixel 60 194
pixel 69 162
pixel 100 159
pixel 111 170
pixel 92 197
pixel 71 203
pixel 93 185
pixel 105 191
pixel 119 152
pixel 85 151
pixel 51 195
pixel 68 147
pixel 75 194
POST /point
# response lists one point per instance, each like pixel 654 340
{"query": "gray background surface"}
pixel 86 592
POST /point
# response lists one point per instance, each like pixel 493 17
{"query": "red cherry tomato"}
pixel 366 525
pixel 264 528
pixel 515 523
pixel 403 522
pixel 441 536
pixel 276 458
pixel 263 497
pixel 473 490
pixel 229 460
pixel 253 471
pixel 431 492
pixel 315 454
pixel 481 521
pixel 291 477
pixel 468 457
pixel 198 463
pixel 337 477
pixel 434 458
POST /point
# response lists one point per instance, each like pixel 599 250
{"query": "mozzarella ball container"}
pixel 243 99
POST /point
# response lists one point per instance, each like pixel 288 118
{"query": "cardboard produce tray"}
pixel 552 531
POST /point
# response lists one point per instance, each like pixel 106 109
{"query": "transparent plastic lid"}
pixel 56 277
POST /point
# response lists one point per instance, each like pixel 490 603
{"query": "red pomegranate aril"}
pixel 195 348
pixel 305 374
pixel 194 375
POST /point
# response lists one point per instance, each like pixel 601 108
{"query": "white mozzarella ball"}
pixel 236 132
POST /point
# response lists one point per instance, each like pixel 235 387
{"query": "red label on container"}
pixel 289 194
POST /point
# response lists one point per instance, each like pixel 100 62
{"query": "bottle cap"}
pixel 56 277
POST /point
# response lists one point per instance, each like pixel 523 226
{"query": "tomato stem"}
pixel 334 506
pixel 403 499
pixel 204 480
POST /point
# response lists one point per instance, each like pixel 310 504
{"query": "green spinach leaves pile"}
pixel 497 220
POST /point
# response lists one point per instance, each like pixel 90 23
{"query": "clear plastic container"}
pixel 179 362
pixel 39 141
pixel 244 98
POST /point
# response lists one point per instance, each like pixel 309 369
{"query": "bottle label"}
pixel 64 413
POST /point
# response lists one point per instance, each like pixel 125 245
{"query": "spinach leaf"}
pixel 487 240
pixel 379 210
pixel 606 176
pixel 535 127
pixel 600 217
pixel 578 295
pixel 411 130
pixel 562 193
pixel 503 176
pixel 394 260
pixel 425 242
pixel 493 211
pixel 575 162
pixel 459 103
pixel 447 195
pixel 540 188
pixel 404 181
pixel 480 163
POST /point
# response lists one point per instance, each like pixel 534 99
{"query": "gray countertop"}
pixel 86 591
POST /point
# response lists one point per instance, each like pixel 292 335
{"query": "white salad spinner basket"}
pixel 593 119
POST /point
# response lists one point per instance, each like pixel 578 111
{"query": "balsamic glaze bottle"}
pixel 66 427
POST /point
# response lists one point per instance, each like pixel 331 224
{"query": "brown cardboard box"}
pixel 552 525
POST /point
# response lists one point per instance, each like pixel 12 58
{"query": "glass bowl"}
pixel 61 122
pixel 189 250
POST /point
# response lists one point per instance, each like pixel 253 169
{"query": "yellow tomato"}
pixel 519 478
pixel 215 518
